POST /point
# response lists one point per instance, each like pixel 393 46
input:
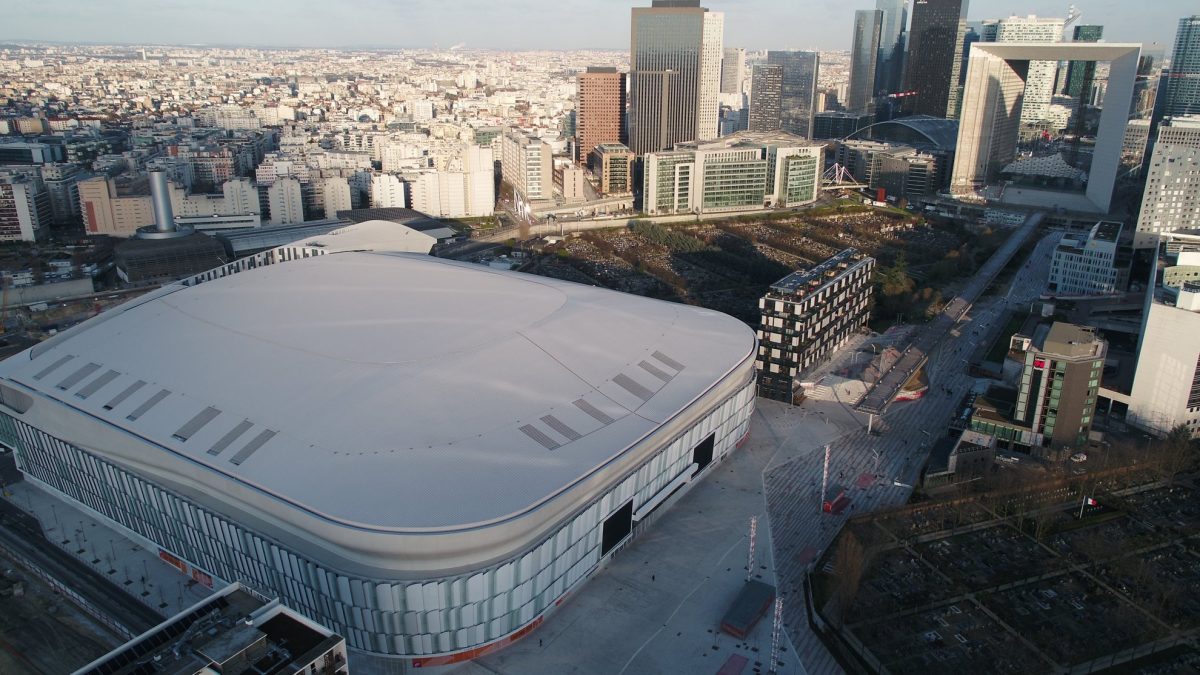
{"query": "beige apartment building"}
pixel 106 212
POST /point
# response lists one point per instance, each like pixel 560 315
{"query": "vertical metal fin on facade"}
pixel 52 367
pixel 252 447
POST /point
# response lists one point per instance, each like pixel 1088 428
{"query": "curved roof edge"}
pixel 939 132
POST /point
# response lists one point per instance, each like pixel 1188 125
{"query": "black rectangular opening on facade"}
pixel 617 527
pixel 702 454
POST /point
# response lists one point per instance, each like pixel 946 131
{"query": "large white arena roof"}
pixel 393 392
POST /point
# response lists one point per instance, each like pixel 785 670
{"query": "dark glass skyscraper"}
pixel 1081 73
pixel 766 90
pixel 675 74
pixel 864 55
pixel 1183 88
pixel 889 68
pixel 933 64
pixel 798 90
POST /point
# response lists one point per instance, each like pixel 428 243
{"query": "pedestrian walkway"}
pixel 801 532
pixel 140 572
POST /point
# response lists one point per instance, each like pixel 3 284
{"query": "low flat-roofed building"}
pixel 235 631
pixel 612 167
pixel 1089 263
pixel 745 171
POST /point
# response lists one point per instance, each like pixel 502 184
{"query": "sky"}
pixel 510 24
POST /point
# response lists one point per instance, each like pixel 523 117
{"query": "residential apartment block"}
pixel 525 164
pixel 808 314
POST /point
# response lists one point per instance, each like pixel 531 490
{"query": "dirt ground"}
pixel 42 632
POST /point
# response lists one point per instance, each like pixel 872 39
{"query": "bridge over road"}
pixel 880 394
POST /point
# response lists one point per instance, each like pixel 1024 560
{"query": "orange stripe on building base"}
pixel 478 651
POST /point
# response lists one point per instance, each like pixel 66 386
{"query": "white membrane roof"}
pixel 391 391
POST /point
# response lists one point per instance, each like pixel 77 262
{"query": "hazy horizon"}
pixel 510 25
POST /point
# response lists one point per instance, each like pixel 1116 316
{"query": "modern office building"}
pixel 525 164
pixel 766 89
pixel 901 171
pixel 674 74
pixel 612 168
pixel 827 125
pixel 1081 74
pixel 733 70
pixel 1133 147
pixel 989 125
pixel 1040 75
pixel 234 630
pixel 239 436
pixel 934 61
pixel 743 172
pixel 1171 197
pixel 1087 263
pixel 908 173
pixel 25 212
pixel 889 70
pixel 599 110
pixel 1183 82
pixel 808 314
pixel 864 59
pixel 1166 382
pixel 1057 391
pixel 798 90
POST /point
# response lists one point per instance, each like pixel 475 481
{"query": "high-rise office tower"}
pixel 1171 198
pixel 933 65
pixel 1039 82
pixel 675 74
pixel 798 90
pixel 1183 88
pixel 733 69
pixel 600 110
pixel 1080 74
pixel 889 69
pixel 864 56
pixel 766 87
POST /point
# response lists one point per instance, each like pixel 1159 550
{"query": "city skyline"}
pixel 514 26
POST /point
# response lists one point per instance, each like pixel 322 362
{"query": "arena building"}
pixel 425 456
